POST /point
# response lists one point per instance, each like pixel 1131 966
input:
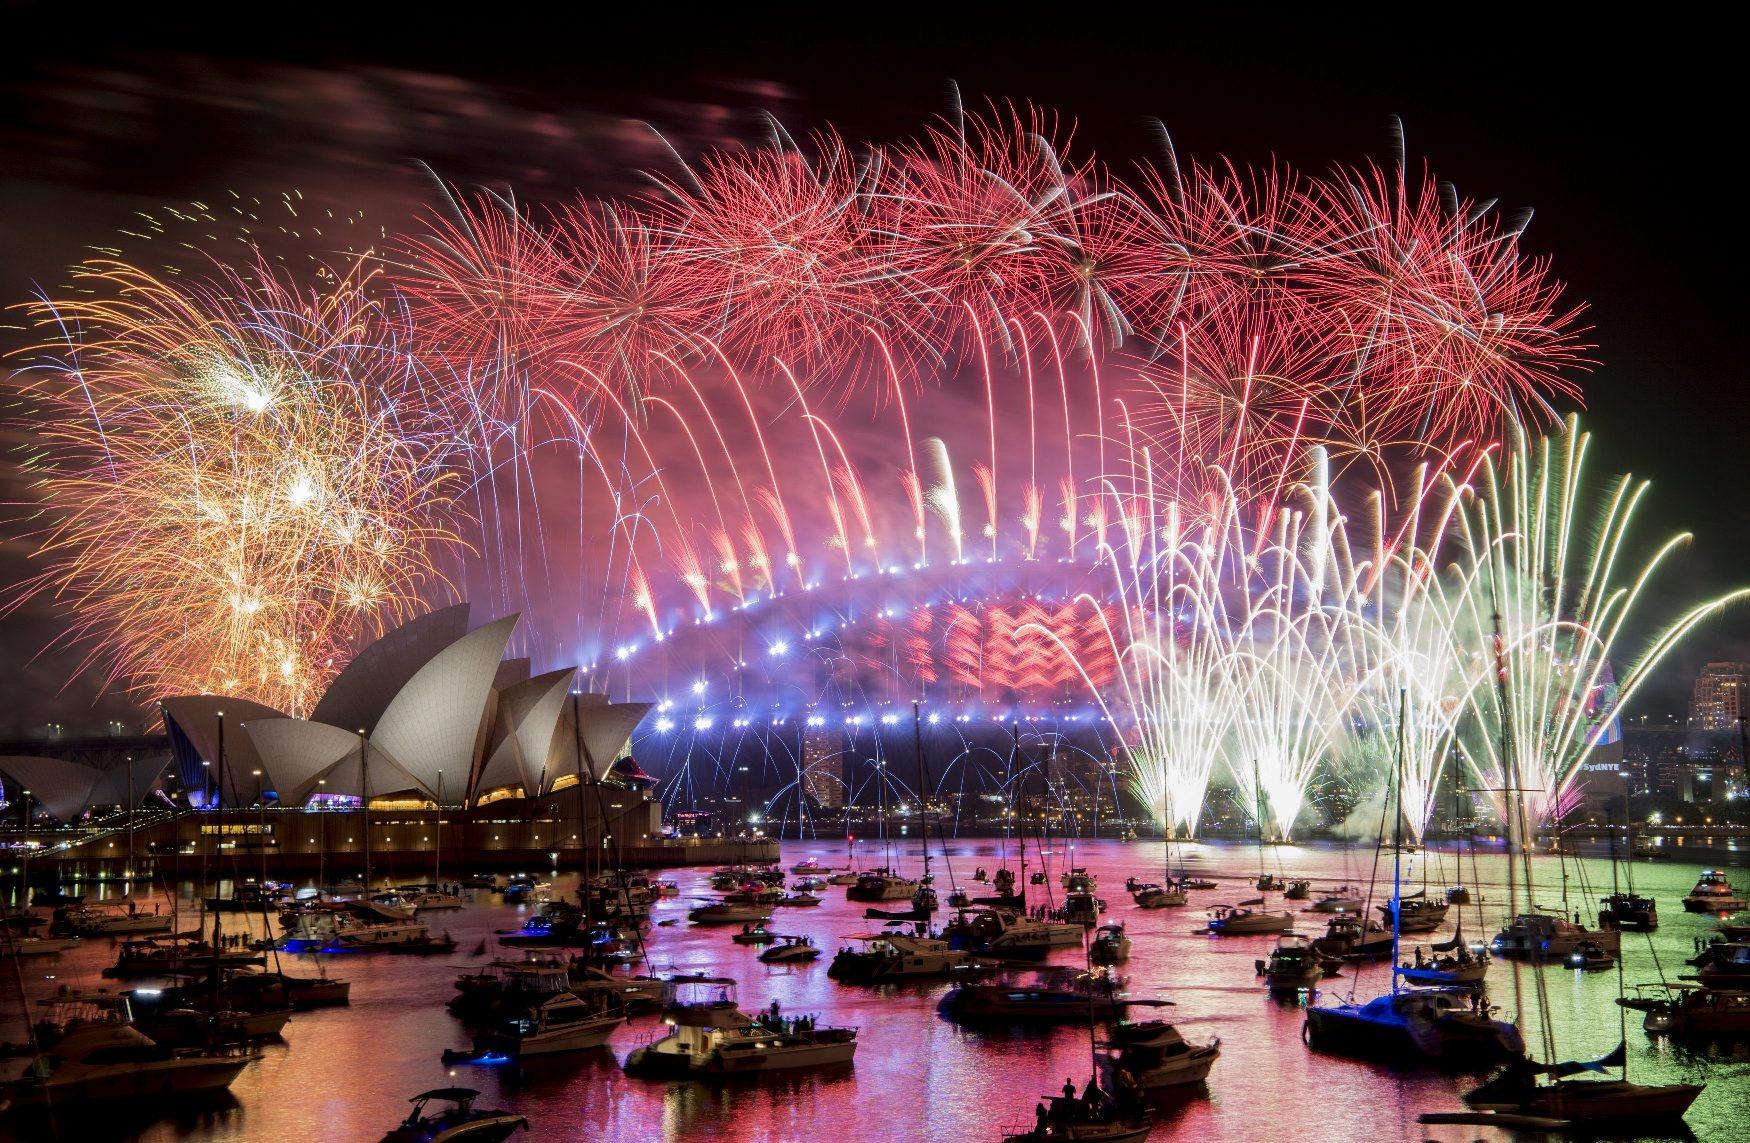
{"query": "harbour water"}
pixel 346 1073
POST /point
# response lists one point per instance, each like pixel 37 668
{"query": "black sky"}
pixel 1622 138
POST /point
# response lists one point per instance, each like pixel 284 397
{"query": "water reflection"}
pixel 346 1073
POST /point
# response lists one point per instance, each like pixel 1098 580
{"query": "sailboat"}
pixel 1570 1090
pixel 1169 893
pixel 1444 1024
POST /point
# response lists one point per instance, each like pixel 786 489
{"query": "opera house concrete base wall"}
pixel 510 834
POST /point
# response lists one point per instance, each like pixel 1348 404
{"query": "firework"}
pixel 1544 591
pixel 244 480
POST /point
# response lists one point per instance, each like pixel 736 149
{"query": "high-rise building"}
pixel 823 767
pixel 1719 696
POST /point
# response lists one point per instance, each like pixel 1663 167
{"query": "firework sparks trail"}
pixel 653 398
pixel 246 481
pixel 1544 591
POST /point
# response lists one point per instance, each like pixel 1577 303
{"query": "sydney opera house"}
pixel 432 714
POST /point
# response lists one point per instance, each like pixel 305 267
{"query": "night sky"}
pixel 1622 141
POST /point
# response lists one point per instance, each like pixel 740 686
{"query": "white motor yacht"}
pixel 1713 893
pixel 1152 1054
pixel 1239 920
pixel 354 924
pixel 899 956
pixel 711 1036
pixel 881 885
pixel 111 920
pixel 1169 896
pixel 1342 899
pixel 1006 933
pixel 729 913
pixel 1544 936
pixel 1111 945
pixel 558 1022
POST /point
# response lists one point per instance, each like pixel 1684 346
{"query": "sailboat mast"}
pixel 365 803
pixel 917 737
pixel 1397 842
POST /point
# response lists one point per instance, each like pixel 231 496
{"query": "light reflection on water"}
pixel 346 1073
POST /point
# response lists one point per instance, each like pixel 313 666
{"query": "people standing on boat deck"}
pixel 1039 1117
pixel 1069 1088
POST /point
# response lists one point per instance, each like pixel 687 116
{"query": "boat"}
pixel 352 924
pixel 1292 965
pixel 1081 908
pixel 1724 964
pixel 459 1122
pixel 1420 915
pixel 1093 1117
pixel 108 920
pixel 799 901
pixel 1342 899
pixel 1243 920
pixel 754 895
pixel 1713 893
pixel 1458 895
pixel 1170 896
pixel 307 992
pixel 1646 852
pixel 632 993
pixel 1005 933
pixel 1450 962
pixel 432 898
pixel 39 946
pixel 808 867
pixel 881 885
pixel 790 950
pixel 1077 879
pixel 1111 945
pixel 1270 883
pixel 1690 1009
pixel 892 956
pixel 251 897
pixel 754 935
pixel 845 877
pixel 809 885
pixel 1298 890
pixel 1590 957
pixel 1151 1055
pixel 91 1052
pixel 1545 936
pixel 1629 911
pixel 1735 928
pixel 234 1009
pixel 507 985
pixel 1055 996
pixel 1196 883
pixel 1348 936
pixel 1527 1088
pixel 729 913
pixel 545 1024
pixel 162 957
pixel 1447 1025
pixel 711 1036
pixel 1559 1090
